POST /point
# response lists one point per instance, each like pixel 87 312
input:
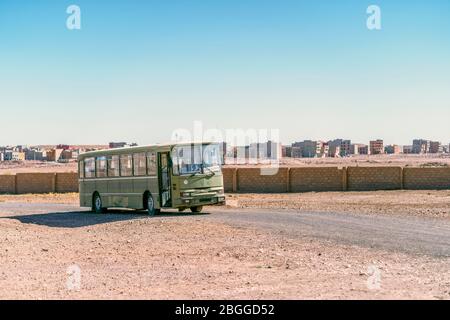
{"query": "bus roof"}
pixel 126 150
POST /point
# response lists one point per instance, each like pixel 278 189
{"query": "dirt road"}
pixel 226 253
pixel 417 235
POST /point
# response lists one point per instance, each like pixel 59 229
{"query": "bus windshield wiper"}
pixel 194 174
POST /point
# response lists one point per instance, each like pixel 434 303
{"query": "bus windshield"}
pixel 196 158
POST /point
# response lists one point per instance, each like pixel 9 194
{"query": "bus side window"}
pixel 140 164
pixel 113 166
pixel 81 169
pixel 126 165
pixel 101 167
pixel 89 168
pixel 151 163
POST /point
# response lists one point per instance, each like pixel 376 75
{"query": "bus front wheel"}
pixel 197 209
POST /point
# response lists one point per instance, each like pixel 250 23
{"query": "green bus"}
pixel 181 176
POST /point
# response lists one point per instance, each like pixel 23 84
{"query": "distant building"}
pixel 334 148
pixel 258 151
pixel 18 156
pixel 325 150
pixel 20 148
pixel 420 146
pixel 7 155
pixel 254 151
pixel 376 146
pixel 346 147
pixel 269 150
pixel 334 151
pixel 311 149
pixel 242 153
pixel 393 149
pixel 354 148
pixel 435 147
pixel 273 150
pixel 114 145
pixel 66 155
pixel 407 149
pixel 36 155
pixel 54 155
pixel 296 152
pixel 363 149
pixel 286 151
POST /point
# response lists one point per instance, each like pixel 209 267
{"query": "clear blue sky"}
pixel 137 70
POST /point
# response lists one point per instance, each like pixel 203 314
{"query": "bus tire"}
pixel 197 209
pixel 97 204
pixel 149 205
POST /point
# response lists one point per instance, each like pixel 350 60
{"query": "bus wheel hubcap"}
pixel 98 203
pixel 150 203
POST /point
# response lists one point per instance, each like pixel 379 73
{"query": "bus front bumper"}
pixel 203 201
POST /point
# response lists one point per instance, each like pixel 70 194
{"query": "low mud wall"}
pixel 253 180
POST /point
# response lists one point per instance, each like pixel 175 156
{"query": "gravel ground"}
pixel 128 256
pixel 185 257
pixel 64 198
pixel 399 202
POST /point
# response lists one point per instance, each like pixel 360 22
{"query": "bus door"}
pixel 164 179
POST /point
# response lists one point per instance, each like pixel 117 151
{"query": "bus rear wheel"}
pixel 197 209
pixel 150 205
pixel 97 204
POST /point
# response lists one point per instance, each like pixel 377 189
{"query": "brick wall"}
pixel 316 179
pixel 7 184
pixel 374 178
pixel 228 174
pixel 251 180
pixel 35 182
pixel 426 178
pixel 66 182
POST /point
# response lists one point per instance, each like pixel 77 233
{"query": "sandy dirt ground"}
pixel 430 203
pixel 184 256
pixel 410 160
pixel 171 258
pixel 63 198
pixel 11 167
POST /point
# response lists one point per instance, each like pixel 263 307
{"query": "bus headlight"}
pixel 186 194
